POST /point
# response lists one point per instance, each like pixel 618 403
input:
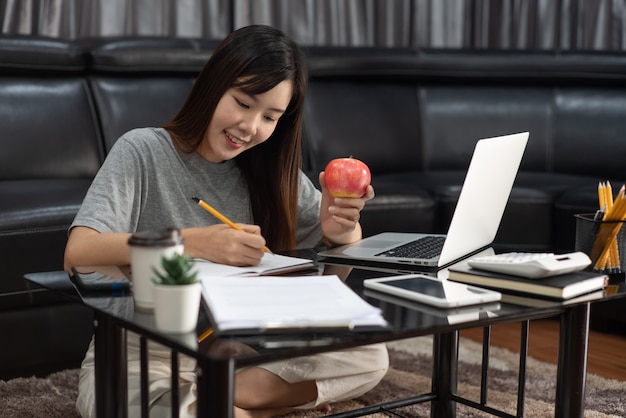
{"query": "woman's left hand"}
pixel 340 215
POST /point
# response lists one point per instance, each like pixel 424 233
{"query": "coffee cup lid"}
pixel 160 238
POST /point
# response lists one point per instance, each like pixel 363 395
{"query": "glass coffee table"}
pixel 115 314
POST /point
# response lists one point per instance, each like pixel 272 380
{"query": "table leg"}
pixel 572 362
pixel 445 357
pixel 215 380
pixel 110 369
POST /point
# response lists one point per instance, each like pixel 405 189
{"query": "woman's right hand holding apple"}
pixel 345 189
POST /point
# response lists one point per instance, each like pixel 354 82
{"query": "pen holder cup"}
pixel 603 241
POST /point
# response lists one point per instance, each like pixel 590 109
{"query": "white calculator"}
pixel 531 265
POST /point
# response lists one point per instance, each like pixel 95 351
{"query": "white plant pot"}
pixel 176 307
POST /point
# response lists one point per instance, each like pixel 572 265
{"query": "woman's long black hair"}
pixel 255 59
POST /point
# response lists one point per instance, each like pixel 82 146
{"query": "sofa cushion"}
pixel 587 123
pixel 401 204
pixel 376 123
pixel 126 74
pixel 121 102
pixel 22 54
pixel 352 63
pixel 515 67
pixel 147 54
pixel 49 152
pixel 525 224
pixel 454 118
pixel 20 207
pixel 35 215
pixel 44 338
pixel 49 128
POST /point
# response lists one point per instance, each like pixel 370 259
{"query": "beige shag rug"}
pixel 409 374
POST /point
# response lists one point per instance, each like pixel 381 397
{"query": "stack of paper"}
pixel 265 303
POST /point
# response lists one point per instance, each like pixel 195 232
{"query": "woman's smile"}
pixel 234 141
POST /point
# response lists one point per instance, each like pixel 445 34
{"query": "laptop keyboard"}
pixel 425 247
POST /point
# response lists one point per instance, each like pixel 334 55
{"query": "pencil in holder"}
pixel 603 241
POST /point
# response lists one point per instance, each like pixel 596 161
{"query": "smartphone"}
pixel 432 291
pixel 91 278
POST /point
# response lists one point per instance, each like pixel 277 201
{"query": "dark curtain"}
pixel 484 24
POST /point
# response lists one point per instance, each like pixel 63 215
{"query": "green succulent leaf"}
pixel 177 270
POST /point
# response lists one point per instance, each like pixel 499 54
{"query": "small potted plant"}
pixel 177 294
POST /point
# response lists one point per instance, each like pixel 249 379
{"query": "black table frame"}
pixel 215 375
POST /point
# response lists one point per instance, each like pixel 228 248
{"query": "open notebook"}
pixel 486 189
pixel 270 264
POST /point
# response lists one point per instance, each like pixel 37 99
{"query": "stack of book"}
pixel 561 287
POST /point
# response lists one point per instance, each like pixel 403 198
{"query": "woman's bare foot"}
pixel 232 348
pixel 260 413
pixel 270 413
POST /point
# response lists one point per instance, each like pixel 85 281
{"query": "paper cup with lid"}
pixel 147 248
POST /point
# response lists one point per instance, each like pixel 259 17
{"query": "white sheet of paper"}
pixel 271 302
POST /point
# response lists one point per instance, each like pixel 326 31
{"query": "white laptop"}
pixel 486 189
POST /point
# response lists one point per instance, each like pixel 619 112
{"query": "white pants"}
pixel 339 375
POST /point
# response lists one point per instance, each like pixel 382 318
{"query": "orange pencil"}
pixel 221 217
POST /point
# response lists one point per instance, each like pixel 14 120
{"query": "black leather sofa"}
pixel 412 115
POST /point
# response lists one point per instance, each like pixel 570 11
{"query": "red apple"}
pixel 347 177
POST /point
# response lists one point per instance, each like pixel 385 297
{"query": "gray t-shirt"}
pixel 145 183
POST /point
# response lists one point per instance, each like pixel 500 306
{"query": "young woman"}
pixel 236 144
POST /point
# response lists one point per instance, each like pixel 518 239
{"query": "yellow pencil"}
pixel 205 334
pixel 221 217
pixel 611 260
pixel 614 262
pixel 605 249
pixel 601 197
pixel 603 257
pixel 608 190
